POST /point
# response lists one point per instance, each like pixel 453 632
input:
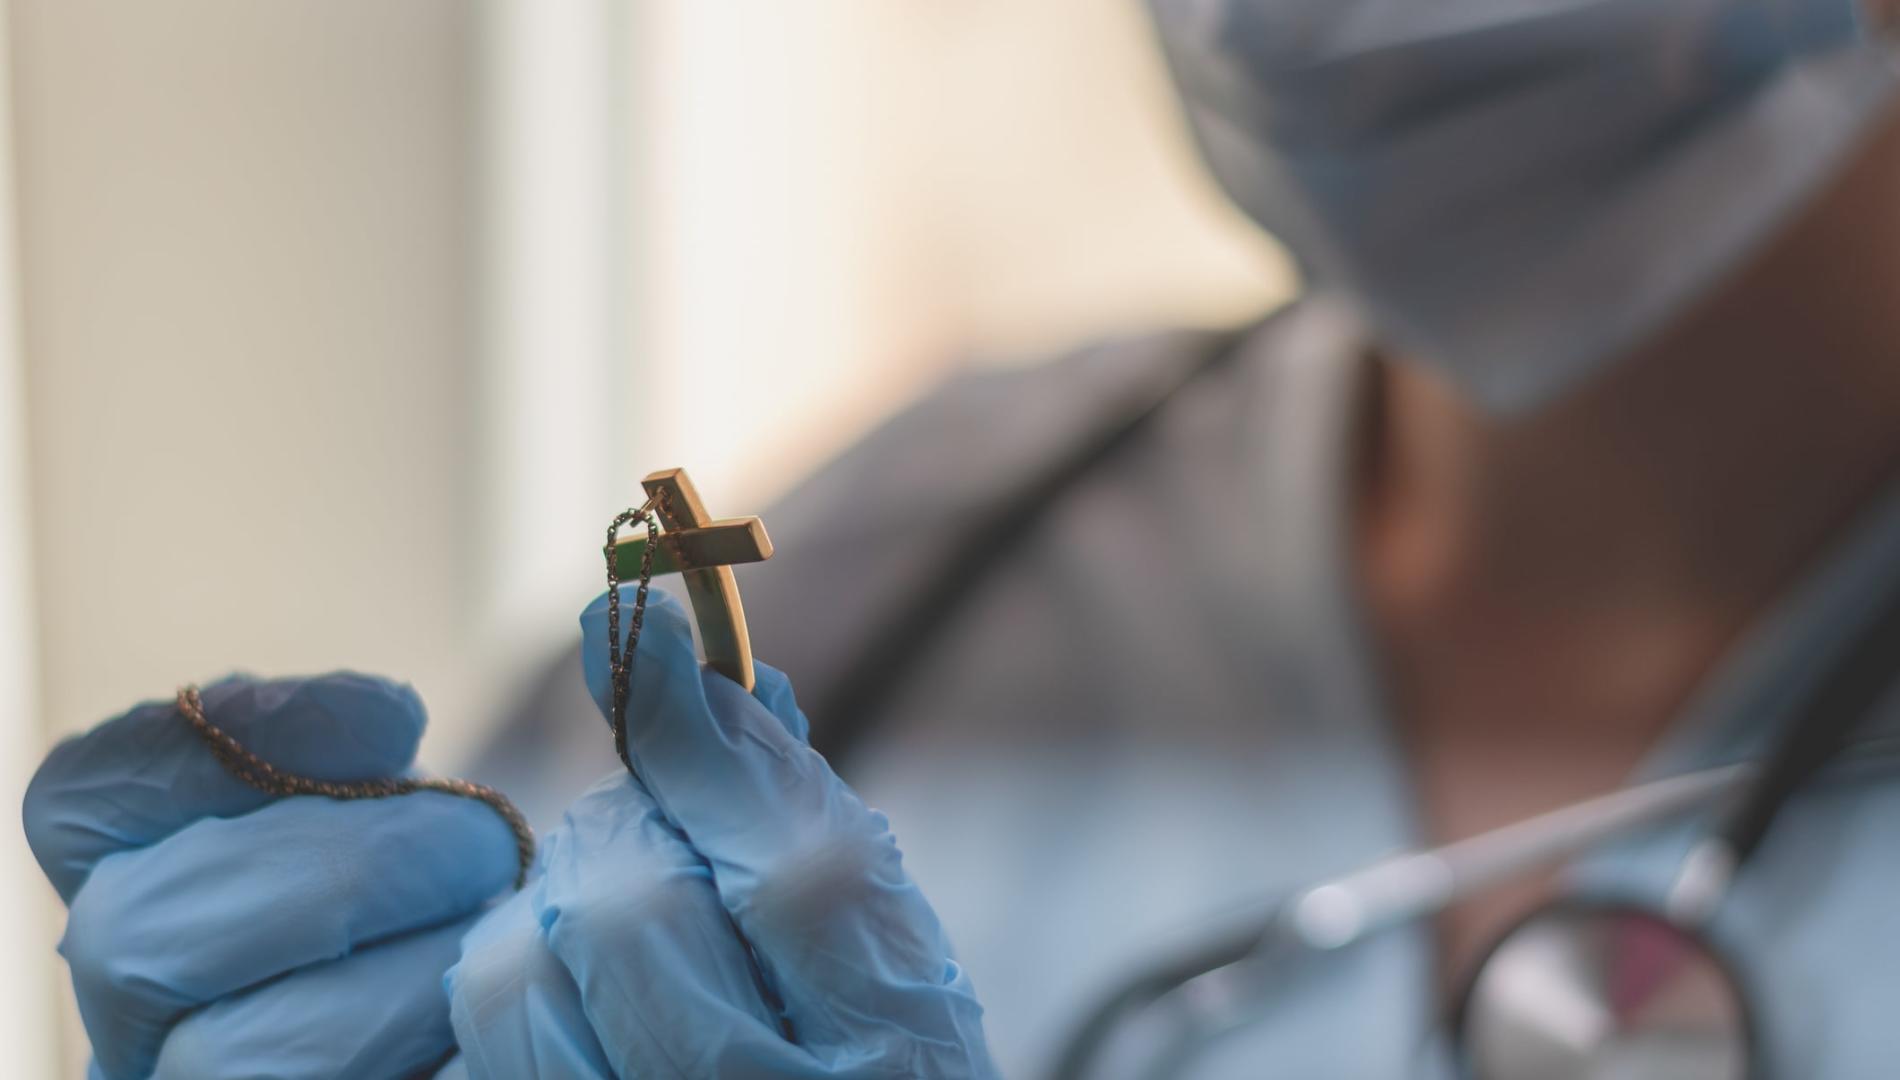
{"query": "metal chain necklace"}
pixel 267 778
pixel 240 762
pixel 619 660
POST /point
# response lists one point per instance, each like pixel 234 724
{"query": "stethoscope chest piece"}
pixel 1586 990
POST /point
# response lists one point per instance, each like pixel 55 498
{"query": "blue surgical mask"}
pixel 1516 191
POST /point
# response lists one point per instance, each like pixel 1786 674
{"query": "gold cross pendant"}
pixel 703 552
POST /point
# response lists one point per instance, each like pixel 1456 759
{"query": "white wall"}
pixel 245 243
pixel 29 1018
pixel 843 196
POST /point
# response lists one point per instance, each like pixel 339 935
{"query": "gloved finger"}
pixel 378 1014
pixel 453 1069
pixel 227 903
pixel 774 691
pixel 515 1008
pixel 811 875
pixel 665 981
pixel 138 778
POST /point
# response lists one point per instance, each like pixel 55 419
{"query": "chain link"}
pixel 262 775
pixel 619 660
pixel 240 762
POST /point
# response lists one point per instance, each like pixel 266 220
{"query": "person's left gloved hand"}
pixel 735 912
pixel 217 931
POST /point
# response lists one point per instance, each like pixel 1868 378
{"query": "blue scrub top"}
pixel 1141 729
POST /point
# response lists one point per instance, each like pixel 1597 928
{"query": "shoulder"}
pixel 960 444
pixel 873 526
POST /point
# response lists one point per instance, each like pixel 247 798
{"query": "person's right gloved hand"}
pixel 735 911
pixel 216 931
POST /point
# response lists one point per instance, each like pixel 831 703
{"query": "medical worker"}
pixel 1576 464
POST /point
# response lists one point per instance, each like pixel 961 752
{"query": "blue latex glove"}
pixel 735 912
pixel 215 931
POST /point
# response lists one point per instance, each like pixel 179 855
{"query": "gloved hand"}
pixel 214 931
pixel 734 912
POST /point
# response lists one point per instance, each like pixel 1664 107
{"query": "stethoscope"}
pixel 1578 988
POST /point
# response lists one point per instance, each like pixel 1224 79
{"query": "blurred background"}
pixel 333 331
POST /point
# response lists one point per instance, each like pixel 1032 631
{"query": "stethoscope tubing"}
pixel 1224 984
pixel 1407 887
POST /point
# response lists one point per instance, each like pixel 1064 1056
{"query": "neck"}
pixel 1643 520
